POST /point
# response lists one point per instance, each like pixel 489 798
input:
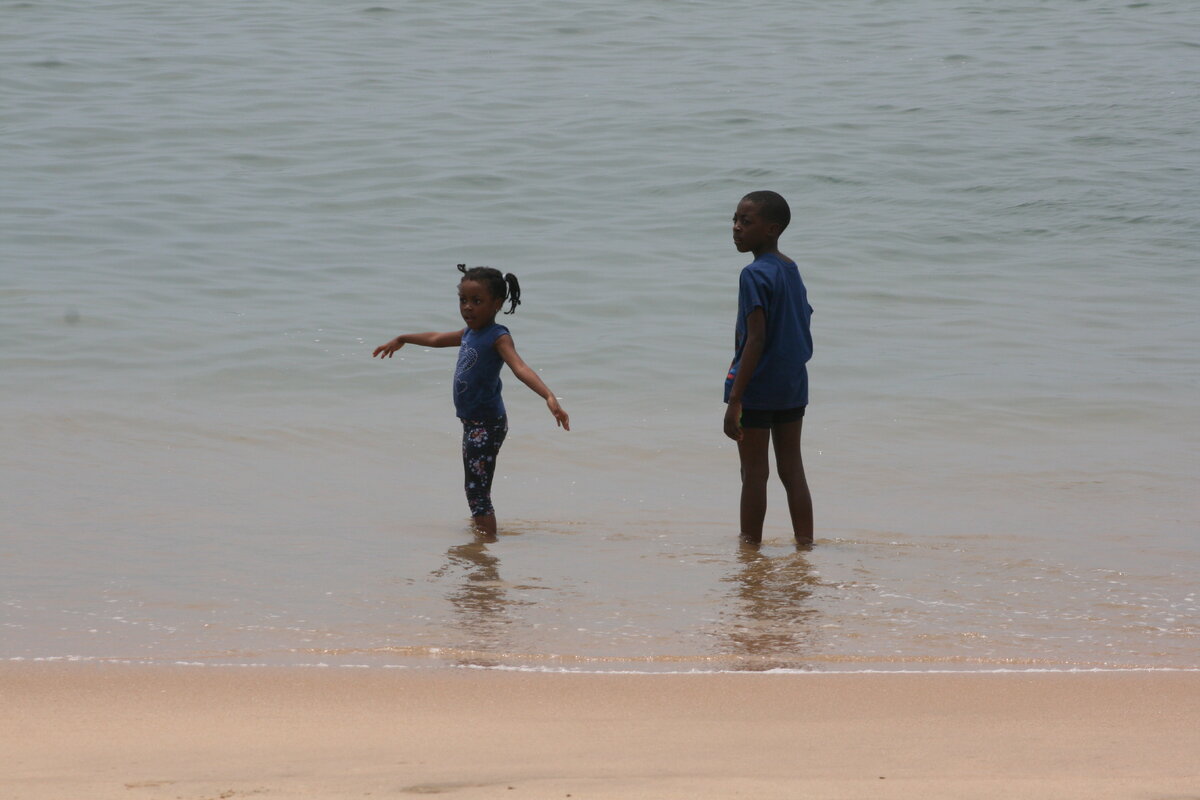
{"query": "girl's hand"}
pixel 733 421
pixel 386 350
pixel 564 421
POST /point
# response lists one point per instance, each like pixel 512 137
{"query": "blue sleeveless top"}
pixel 477 376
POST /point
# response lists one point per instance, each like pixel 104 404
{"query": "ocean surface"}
pixel 211 212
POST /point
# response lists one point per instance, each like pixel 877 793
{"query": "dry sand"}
pixel 94 732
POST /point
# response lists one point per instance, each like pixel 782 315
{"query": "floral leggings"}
pixel 480 446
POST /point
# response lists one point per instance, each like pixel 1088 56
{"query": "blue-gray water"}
pixel 211 212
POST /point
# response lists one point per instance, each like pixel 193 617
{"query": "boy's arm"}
pixel 508 352
pixel 431 339
pixel 756 339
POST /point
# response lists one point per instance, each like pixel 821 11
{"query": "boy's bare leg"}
pixel 756 468
pixel 485 525
pixel 790 466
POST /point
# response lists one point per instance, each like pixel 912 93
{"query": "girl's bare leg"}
pixel 756 468
pixel 790 466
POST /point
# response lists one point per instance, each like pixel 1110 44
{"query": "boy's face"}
pixel 751 231
pixel 476 304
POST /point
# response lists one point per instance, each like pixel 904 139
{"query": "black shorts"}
pixel 762 418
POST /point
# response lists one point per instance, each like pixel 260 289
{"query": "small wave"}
pixel 544 669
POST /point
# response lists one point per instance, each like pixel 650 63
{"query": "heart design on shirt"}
pixel 467 358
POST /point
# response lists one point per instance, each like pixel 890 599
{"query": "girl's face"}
pixel 751 232
pixel 476 304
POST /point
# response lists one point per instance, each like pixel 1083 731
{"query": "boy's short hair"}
pixel 772 206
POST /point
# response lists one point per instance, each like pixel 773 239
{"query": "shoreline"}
pixel 154 731
pixel 519 668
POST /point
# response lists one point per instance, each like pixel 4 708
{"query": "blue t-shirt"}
pixel 781 379
pixel 477 376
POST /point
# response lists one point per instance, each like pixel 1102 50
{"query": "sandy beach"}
pixel 145 733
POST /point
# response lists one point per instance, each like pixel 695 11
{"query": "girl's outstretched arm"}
pixel 508 352
pixel 448 339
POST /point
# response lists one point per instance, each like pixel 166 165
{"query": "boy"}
pixel 767 386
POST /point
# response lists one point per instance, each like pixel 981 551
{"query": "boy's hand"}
pixel 386 350
pixel 560 416
pixel 733 421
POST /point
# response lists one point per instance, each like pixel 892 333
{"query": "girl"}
pixel 483 346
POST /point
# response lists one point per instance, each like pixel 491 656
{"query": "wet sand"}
pixel 148 732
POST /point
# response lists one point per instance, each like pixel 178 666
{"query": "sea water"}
pixel 211 213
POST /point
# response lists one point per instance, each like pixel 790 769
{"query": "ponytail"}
pixel 514 292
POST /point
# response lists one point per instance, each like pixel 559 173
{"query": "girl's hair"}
pixel 503 286
pixel 772 206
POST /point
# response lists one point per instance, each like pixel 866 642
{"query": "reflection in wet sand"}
pixel 769 621
pixel 481 605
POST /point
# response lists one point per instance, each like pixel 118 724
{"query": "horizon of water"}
pixel 213 212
